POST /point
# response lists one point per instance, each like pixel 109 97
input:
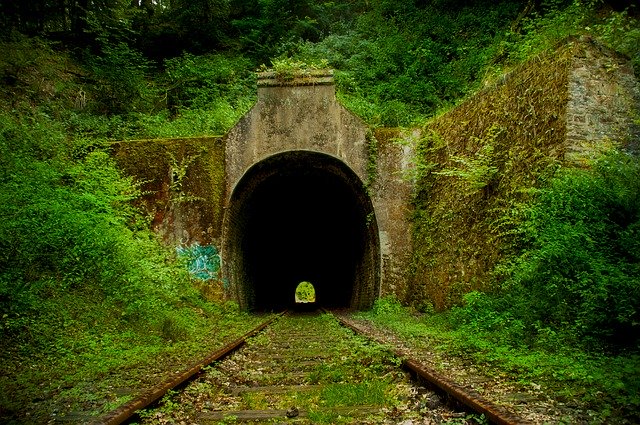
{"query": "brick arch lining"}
pixel 297 216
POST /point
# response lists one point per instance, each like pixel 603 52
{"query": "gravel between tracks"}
pixel 261 379
pixel 530 403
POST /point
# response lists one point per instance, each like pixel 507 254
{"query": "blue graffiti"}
pixel 203 262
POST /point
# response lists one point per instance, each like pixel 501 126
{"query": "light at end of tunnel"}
pixel 305 293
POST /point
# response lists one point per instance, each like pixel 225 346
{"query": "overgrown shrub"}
pixel 122 81
pixel 200 82
pixel 68 223
pixel 577 271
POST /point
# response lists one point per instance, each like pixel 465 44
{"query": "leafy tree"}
pixel 121 80
pixel 305 293
pixel 78 20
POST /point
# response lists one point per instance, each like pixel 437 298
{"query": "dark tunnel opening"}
pixel 302 216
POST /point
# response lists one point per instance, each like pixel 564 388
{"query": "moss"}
pixel 174 172
pixel 372 159
pixel 474 165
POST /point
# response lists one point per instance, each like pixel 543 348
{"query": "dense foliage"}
pixel 76 259
pixel 574 279
pixel 85 287
pixel 396 62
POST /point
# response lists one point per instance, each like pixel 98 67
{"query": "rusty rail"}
pixel 494 413
pixel 128 410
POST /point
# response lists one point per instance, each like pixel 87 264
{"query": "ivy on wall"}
pixel 473 168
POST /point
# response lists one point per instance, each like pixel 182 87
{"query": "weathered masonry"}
pixel 300 189
pixel 561 107
pixel 300 203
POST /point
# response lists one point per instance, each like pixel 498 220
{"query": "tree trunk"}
pixel 78 17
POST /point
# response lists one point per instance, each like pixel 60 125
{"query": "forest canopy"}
pixel 396 61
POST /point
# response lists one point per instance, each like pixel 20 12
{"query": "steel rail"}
pixel 495 414
pixel 155 393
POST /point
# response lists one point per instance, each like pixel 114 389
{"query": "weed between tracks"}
pixel 316 371
pixel 559 384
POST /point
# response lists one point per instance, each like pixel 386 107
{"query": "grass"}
pixel 602 385
pixel 367 393
pixel 94 362
pixel 357 374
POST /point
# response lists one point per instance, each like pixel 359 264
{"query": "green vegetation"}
pixel 551 255
pixel 522 266
pixel 305 293
pixel 563 309
pixel 560 308
pixel 88 296
pixel 396 62
pixel 575 275
pixel 85 288
pixel 599 386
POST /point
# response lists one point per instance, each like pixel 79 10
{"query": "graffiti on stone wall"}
pixel 203 262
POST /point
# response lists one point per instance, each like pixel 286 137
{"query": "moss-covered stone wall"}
pixel 473 166
pixel 183 185
pixel 475 163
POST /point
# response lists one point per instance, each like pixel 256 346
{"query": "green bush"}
pixel 577 271
pixel 68 223
pixel 387 305
pixel 215 120
pixel 621 31
pixel 201 81
pixel 122 81
pixel 61 223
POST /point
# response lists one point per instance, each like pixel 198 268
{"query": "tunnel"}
pixel 301 216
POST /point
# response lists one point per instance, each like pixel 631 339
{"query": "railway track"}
pixel 310 369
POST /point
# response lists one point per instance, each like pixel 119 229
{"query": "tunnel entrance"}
pixel 301 216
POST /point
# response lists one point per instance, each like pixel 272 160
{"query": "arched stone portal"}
pixel 295 207
pixel 188 183
pixel 301 215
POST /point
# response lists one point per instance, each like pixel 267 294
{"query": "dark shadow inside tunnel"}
pixel 301 216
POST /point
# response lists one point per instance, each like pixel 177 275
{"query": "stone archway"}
pixel 301 215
